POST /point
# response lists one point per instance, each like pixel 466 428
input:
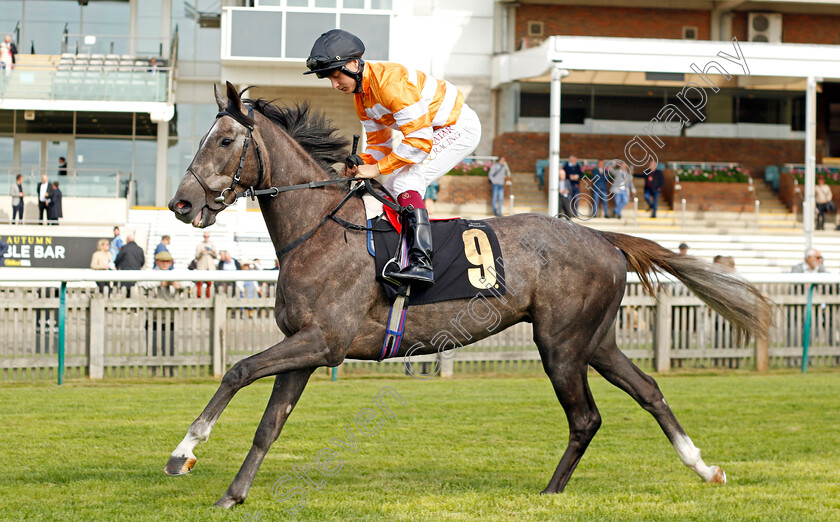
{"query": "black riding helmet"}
pixel 331 51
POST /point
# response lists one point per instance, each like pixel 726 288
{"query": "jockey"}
pixel 439 130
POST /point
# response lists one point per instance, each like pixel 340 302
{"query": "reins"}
pixel 275 191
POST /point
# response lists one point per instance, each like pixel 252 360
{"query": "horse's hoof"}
pixel 719 477
pixel 179 465
pixel 227 502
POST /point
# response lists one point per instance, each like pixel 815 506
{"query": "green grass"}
pixel 462 449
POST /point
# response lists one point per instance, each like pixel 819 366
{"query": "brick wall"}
pixel 664 23
pixel 464 189
pixel 523 149
pixel 612 21
pixel 796 28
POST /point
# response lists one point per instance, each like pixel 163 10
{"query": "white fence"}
pixel 182 335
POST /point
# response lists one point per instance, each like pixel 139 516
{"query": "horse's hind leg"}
pixel 572 389
pixel 287 390
pixel 620 371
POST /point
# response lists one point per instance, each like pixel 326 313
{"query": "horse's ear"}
pixel 233 97
pixel 221 101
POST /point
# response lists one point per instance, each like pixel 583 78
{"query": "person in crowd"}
pixel 823 196
pixel 205 259
pixel 116 244
pixel 131 257
pixel 163 246
pixel 164 261
pixel 17 199
pixel 431 195
pixel 654 180
pixel 54 211
pixel 813 263
pixel 44 189
pixel 227 262
pixel 12 48
pixel 564 190
pixel 573 173
pixel 250 289
pixel 62 166
pixel 5 58
pixel 727 261
pixel 440 130
pixel 256 265
pixel 599 190
pixel 101 260
pixel 621 189
pixel 684 249
pixel 498 175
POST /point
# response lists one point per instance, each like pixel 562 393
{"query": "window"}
pixel 286 29
pixel 535 28
pixel 689 32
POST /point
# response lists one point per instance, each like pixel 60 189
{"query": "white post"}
pixel 554 139
pixel 96 338
pixel 683 213
pixel 162 193
pixel 757 212
pixel 810 160
pixel 511 204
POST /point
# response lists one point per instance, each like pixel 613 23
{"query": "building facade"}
pixel 123 89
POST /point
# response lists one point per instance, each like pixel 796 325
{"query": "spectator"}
pixel 684 250
pixel 44 189
pixel 599 189
pixel 250 288
pixel 162 247
pixel 131 257
pixel 822 195
pixel 727 261
pixel 255 264
pixel 164 261
pixel 227 262
pixel 205 254
pixel 654 179
pixel 621 189
pixel 498 175
pixel 17 199
pixel 54 205
pixel 564 189
pixel 116 244
pixel 431 195
pixel 5 58
pixel 574 173
pixel 62 166
pixel 101 260
pixel 813 263
pixel 12 48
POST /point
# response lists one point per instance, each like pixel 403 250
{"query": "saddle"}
pixel 467 262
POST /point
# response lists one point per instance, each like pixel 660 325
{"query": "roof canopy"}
pixel 585 53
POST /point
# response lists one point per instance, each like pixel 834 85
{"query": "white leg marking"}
pixel 690 455
pixel 193 438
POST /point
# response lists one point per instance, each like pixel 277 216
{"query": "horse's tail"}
pixel 735 299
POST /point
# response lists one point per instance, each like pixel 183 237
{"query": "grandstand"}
pixel 126 101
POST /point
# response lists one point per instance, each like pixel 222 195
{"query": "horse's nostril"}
pixel 183 207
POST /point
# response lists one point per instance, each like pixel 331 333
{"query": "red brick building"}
pixel 756 118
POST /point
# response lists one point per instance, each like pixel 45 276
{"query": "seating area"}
pixel 110 76
pixel 108 62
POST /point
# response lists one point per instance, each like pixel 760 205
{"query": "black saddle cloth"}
pixel 467 261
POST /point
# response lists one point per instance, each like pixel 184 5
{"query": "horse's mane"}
pixel 310 128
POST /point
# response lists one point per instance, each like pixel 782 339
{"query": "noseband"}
pixel 236 177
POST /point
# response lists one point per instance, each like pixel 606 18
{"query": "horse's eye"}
pixel 226 142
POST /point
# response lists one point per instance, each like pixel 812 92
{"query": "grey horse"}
pixel 565 279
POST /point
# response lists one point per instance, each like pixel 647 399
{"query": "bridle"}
pixel 274 191
pixel 221 198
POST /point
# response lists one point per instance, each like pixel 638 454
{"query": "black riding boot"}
pixel 418 240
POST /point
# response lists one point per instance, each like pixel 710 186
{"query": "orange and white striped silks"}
pixel 416 104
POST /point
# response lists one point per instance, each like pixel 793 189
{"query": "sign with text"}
pixel 45 251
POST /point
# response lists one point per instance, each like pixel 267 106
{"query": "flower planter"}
pixel 708 196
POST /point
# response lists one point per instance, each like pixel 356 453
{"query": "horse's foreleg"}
pixel 287 390
pixel 610 362
pixel 305 349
